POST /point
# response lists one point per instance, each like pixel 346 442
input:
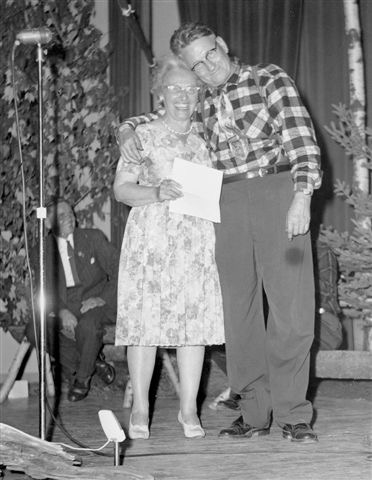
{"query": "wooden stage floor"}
pixel 343 422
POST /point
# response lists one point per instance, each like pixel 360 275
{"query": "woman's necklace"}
pixel 170 129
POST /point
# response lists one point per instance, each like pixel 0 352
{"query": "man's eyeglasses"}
pixel 210 56
pixel 177 89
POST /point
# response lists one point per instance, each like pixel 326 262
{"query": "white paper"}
pixel 201 187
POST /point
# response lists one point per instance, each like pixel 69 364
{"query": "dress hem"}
pixel 166 345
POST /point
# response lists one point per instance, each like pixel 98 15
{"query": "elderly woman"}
pixel 168 291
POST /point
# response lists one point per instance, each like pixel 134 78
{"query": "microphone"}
pixel 35 35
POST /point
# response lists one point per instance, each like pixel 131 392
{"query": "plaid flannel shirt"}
pixel 265 114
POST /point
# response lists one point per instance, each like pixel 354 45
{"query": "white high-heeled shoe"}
pixel 138 431
pixel 191 431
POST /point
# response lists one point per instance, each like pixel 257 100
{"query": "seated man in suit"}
pixel 81 271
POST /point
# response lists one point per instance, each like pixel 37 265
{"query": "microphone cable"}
pixel 24 216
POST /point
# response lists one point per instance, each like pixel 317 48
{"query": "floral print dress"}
pixel 168 289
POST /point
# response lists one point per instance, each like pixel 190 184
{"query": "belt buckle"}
pixel 262 172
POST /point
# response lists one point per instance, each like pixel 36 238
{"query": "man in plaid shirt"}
pixel 261 136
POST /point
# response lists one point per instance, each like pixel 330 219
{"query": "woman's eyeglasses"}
pixel 177 89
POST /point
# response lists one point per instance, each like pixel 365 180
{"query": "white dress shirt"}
pixel 62 247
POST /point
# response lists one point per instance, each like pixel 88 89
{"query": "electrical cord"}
pixel 60 443
pixel 68 435
pixel 27 255
pixel 89 449
pixel 24 217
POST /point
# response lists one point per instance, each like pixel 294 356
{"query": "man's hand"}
pixel 90 303
pixel 69 322
pixel 169 190
pixel 129 144
pixel 298 216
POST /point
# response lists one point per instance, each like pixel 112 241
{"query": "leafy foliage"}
pixel 354 249
pixel 347 134
pixel 79 150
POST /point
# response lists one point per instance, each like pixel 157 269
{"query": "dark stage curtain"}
pixel 256 31
pixel 307 39
pixel 323 82
pixel 129 76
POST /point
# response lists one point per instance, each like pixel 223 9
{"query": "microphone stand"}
pixel 129 14
pixel 41 215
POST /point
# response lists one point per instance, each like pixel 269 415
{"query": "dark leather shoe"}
pixel 105 371
pixel 300 432
pixel 241 429
pixel 78 390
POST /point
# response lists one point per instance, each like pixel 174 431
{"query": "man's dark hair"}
pixel 187 33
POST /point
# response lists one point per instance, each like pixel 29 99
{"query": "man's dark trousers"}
pixel 88 335
pixel 268 367
pixel 76 357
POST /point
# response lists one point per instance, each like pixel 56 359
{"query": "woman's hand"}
pixel 169 190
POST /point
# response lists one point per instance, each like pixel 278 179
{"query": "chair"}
pixel 15 366
pixel 108 339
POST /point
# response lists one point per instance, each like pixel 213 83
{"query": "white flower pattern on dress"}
pixel 168 292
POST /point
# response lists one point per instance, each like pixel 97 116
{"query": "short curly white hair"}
pixel 162 67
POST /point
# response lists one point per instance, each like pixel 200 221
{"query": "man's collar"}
pixel 235 69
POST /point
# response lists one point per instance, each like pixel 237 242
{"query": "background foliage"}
pixel 354 250
pixel 80 151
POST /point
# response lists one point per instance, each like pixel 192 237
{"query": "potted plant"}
pixel 354 250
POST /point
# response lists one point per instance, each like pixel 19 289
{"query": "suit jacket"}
pixel 97 263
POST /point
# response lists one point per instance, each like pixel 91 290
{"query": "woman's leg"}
pixel 141 362
pixel 190 365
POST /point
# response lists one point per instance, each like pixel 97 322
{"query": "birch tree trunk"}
pixel 357 90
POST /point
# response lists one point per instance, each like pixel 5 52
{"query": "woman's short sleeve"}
pixel 129 166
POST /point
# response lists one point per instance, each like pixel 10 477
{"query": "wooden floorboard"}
pixel 344 450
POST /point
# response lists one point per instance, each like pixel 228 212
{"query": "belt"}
pixel 260 172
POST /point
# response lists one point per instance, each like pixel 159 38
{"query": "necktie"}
pixel 228 130
pixel 71 257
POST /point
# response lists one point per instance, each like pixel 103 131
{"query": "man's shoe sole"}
pixel 250 434
pixel 299 433
pixel 76 398
pixel 226 405
pixel 298 440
